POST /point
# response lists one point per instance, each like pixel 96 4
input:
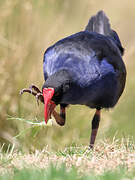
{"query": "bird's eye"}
pixel 56 94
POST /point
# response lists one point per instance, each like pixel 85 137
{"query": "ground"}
pixel 115 157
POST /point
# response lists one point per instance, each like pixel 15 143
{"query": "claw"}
pixel 27 90
pixel 40 97
pixel 35 88
pixel 21 92
pixel 37 98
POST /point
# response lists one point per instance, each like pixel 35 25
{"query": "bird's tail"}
pixel 100 24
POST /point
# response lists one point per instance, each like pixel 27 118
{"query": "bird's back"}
pixel 82 52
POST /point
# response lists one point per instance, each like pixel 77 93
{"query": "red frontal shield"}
pixel 48 104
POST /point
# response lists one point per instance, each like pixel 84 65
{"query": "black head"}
pixel 61 82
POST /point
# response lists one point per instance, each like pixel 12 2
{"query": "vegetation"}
pixel 107 161
pixel 61 173
pixel 29 151
pixel 28 27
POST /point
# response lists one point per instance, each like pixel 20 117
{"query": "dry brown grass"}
pixel 27 28
pixel 105 156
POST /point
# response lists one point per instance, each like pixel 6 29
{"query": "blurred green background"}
pixel 27 28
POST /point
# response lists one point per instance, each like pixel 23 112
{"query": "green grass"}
pixel 60 173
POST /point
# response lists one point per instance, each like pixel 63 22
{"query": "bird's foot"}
pixel 91 146
pixel 40 97
pixel 34 90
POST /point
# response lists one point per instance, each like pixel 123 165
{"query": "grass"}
pixel 54 173
pixel 28 27
pixel 115 160
pixel 31 151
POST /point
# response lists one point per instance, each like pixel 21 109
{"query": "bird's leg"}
pixel 95 125
pixel 60 118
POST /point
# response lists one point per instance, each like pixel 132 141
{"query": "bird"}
pixel 85 68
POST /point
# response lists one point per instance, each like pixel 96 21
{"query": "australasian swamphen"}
pixel 85 68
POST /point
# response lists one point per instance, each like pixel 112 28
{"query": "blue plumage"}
pixel 86 57
pixel 86 68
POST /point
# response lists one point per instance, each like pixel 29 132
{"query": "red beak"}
pixel 49 105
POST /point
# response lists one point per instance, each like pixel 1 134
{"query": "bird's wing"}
pixel 87 56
